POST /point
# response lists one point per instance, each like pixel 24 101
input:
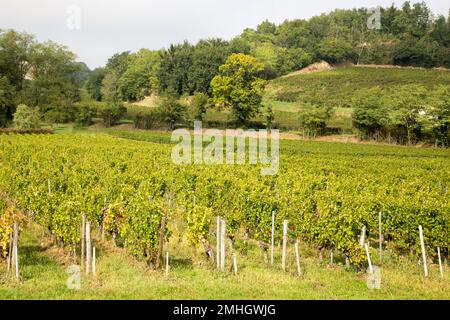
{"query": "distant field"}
pixel 290 95
pixel 335 87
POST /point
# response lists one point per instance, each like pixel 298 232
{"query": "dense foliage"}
pixel 327 199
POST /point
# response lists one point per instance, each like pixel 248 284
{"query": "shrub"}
pixel 147 120
pixel 26 117
pixel 112 113
pixel 86 111
pixel 315 120
pixel 199 106
pixel 171 111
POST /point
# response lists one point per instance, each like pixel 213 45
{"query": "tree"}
pixel 15 50
pixel 171 111
pixel 94 83
pixel 239 87
pixel 267 53
pixel 370 115
pixel 82 74
pixel 292 59
pixel 199 105
pixel 26 117
pixel 315 119
pixel 176 63
pixel 87 110
pixel 7 94
pixel 411 52
pixel 209 55
pixel 111 113
pixel 51 84
pixel 438 115
pixel 270 117
pixel 110 88
pixel 118 63
pixel 336 50
pixel 407 103
pixel 140 79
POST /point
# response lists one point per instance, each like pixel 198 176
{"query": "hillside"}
pixel 336 87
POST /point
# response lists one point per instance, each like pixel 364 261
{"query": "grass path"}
pixel 43 276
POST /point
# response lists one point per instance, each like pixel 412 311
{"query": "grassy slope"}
pixel 336 87
pixel 121 277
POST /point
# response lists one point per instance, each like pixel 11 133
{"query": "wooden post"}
pixel 103 219
pixel 440 262
pixel 331 257
pixel 272 239
pixel 234 263
pixel 362 238
pixel 162 232
pixel 218 242
pixel 424 255
pixel 83 223
pixel 167 263
pixel 297 258
pixel 15 244
pixel 266 259
pixel 380 238
pixel 9 261
pixel 222 249
pixel 103 232
pixel 88 246
pixel 94 269
pixel 283 260
pixel 369 261
pixel 49 188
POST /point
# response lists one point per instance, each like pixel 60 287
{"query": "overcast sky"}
pixel 110 26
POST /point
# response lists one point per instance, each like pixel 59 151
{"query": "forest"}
pixel 44 82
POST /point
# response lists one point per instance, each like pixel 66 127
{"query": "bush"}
pixel 112 113
pixel 171 111
pixel 336 51
pixel 26 117
pixel 147 120
pixel 26 131
pixel 199 106
pixel 315 120
pixel 287 96
pixel 86 111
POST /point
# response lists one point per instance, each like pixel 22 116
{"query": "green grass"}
pixel 120 276
pixel 290 95
pixel 336 87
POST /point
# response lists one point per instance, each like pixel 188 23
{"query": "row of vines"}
pixel 328 192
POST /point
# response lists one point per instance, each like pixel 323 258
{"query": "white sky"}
pixel 110 26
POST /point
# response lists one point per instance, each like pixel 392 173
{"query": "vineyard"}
pixel 133 194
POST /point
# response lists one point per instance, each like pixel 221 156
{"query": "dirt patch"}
pixel 148 101
pixel 315 67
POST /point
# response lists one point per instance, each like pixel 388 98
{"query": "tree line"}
pixel 409 36
pixel 47 76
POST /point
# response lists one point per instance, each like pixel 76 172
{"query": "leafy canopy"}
pixel 239 87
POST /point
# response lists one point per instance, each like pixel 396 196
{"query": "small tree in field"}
pixel 315 120
pixel 199 105
pixel 238 86
pixel 171 111
pixel 26 117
